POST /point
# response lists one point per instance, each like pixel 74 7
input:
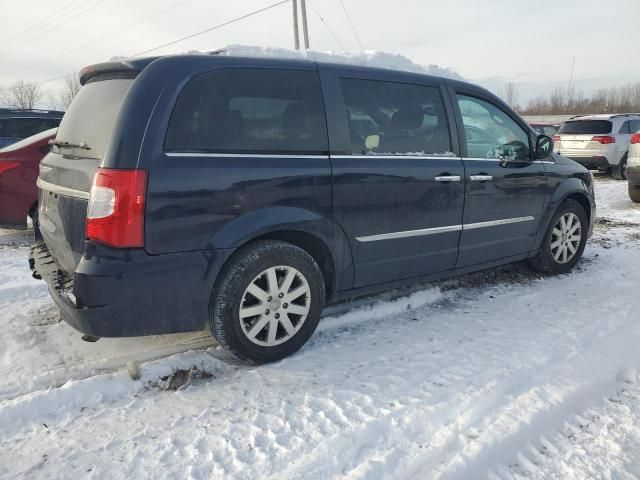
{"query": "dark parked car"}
pixel 18 124
pixel 18 174
pixel 245 194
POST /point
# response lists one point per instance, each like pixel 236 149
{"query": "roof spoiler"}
pixel 129 68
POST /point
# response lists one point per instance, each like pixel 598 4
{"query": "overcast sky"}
pixel 531 43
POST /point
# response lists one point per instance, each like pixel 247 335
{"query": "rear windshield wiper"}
pixel 61 144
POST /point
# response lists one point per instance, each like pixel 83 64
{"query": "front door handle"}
pixel 447 178
pixel 480 178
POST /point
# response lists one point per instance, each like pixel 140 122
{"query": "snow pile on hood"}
pixel 369 58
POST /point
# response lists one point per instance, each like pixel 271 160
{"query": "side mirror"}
pixel 544 146
pixel 372 142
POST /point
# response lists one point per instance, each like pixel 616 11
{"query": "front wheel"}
pixel 564 240
pixel 268 302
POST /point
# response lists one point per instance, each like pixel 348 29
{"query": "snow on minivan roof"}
pixel 369 58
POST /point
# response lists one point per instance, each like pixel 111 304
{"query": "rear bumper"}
pixel 116 293
pixel 633 176
pixel 595 162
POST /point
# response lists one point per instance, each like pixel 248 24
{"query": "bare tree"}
pixel 557 99
pixel 23 94
pixel 621 99
pixel 69 91
pixel 53 100
pixel 509 94
pixel 4 97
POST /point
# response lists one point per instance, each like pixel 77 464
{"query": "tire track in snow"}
pixel 338 453
pixel 256 422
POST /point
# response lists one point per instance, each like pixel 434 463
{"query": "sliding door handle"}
pixel 447 178
pixel 480 178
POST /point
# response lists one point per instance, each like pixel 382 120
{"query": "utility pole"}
pixel 305 30
pixel 296 36
pixel 570 90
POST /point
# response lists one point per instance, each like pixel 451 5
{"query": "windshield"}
pixel 588 127
pixel 90 118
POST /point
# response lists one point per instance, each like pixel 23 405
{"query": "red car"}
pixel 19 164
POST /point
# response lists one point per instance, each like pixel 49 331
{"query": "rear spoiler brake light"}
pixel 124 69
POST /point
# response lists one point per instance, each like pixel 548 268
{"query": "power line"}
pixel 315 10
pixel 181 39
pixel 58 25
pixel 46 21
pixel 351 23
pixel 56 78
pixel 273 5
pixel 109 35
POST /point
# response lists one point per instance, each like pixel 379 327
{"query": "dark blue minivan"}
pixel 244 194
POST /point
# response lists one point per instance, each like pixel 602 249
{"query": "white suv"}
pixel 598 141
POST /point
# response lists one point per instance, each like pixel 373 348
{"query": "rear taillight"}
pixel 5 166
pixel 604 139
pixel 556 138
pixel 635 138
pixel 115 214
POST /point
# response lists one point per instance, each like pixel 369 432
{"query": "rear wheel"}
pixel 634 193
pixel 268 302
pixel 564 240
pixel 618 172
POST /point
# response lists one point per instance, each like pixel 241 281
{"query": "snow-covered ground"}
pixel 502 374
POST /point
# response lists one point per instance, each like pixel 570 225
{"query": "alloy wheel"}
pixel 566 237
pixel 274 306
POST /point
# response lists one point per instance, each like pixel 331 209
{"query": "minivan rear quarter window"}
pixel 587 127
pixel 250 110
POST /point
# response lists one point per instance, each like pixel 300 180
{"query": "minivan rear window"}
pixel 91 116
pixel 248 110
pixel 587 127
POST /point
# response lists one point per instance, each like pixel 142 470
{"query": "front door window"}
pixel 491 133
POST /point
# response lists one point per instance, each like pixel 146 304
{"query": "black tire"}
pixel 618 172
pixel 634 193
pixel 544 261
pixel 244 268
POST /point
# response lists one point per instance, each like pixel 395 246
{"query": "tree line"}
pixel 564 100
pixel 29 95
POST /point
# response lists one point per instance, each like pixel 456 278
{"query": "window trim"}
pixel 248 152
pixel 453 140
pixel 464 153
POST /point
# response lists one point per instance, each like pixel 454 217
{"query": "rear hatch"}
pixel 66 173
pixel 579 138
